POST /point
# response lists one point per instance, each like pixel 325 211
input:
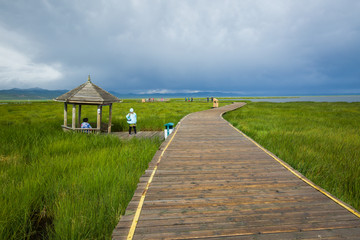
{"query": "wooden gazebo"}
pixel 87 94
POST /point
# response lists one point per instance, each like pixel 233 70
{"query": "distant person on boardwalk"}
pixel 131 119
pixel 85 124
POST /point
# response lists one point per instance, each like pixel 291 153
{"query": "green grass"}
pixel 57 185
pixel 249 98
pixel 321 140
pixel 151 116
pixel 60 185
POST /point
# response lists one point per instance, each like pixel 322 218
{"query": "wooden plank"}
pixel 214 183
pixel 141 134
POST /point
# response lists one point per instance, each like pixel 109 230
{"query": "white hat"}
pixel 131 110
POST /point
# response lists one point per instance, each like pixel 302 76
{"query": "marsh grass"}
pixel 67 186
pixel 321 140
pixel 151 116
pixel 57 185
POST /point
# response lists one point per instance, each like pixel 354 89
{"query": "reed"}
pixel 321 140
pixel 57 185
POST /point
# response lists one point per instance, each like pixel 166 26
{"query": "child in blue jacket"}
pixel 131 119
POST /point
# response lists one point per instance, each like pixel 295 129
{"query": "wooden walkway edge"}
pixel 210 181
pixel 140 134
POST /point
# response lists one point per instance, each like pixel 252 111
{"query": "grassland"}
pixel 321 140
pixel 249 98
pixel 57 185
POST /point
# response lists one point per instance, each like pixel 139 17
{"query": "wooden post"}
pixel 98 122
pixel 110 116
pixel 65 114
pixel 79 117
pixel 73 125
pixel 101 113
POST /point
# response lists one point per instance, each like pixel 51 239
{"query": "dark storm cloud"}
pixel 258 46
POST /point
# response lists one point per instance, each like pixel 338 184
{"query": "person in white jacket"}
pixel 131 119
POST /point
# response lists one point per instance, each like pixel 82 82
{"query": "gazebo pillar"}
pixel 101 114
pixel 79 116
pixel 98 122
pixel 73 125
pixel 110 116
pixel 65 114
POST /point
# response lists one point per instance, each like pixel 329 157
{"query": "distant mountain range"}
pixel 30 94
pixel 44 94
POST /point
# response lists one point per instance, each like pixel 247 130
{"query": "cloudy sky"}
pixel 277 47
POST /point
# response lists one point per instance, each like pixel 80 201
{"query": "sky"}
pixel 249 47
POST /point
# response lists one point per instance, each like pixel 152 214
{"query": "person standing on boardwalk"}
pixel 131 119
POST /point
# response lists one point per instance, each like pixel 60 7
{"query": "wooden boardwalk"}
pixel 211 182
pixel 140 134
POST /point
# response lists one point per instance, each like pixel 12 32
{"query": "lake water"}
pixel 346 98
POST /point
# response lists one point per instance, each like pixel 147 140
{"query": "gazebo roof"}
pixel 88 93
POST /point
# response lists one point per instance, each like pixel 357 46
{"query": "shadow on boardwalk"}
pixel 211 182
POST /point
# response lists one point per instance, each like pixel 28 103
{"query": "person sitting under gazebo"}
pixel 85 123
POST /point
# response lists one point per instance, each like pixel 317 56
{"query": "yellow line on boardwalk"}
pixel 143 195
pixel 300 176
